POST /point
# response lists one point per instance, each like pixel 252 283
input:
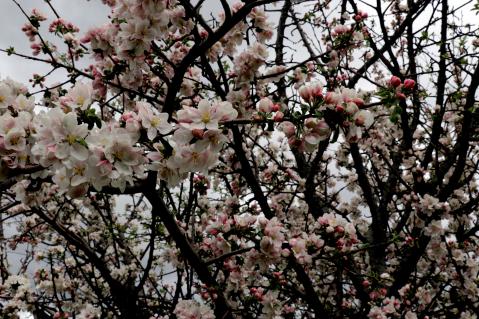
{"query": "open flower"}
pixel 191 158
pixel 315 131
pixel 153 121
pixel 60 134
pixel 206 116
pixel 80 96
pixel 70 138
pixel 15 140
pixel 363 118
pixel 6 96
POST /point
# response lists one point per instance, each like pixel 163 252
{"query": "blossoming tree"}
pixel 271 159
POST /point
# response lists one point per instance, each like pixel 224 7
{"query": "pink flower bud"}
pixel 305 93
pixel 203 34
pixel 332 98
pixel 265 105
pixel 278 117
pixel 288 128
pixel 126 116
pixel 361 16
pixel 275 108
pixel 198 133
pixel 359 121
pixel 395 81
pixel 409 84
pixel 400 96
pixel 311 92
pixel 295 142
pixel 322 128
pixel 358 101
pixel 339 108
pixel 317 90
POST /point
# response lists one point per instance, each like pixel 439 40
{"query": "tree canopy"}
pixel 250 159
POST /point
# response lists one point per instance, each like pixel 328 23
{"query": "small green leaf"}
pixel 10 51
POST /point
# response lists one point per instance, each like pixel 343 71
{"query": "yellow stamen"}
pixel 205 118
pixel 155 121
pixel 78 170
pixel 71 139
pixel 80 100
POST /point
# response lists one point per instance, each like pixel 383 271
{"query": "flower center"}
pixel 118 155
pixel 80 100
pixel 71 139
pixel 14 140
pixel 155 121
pixel 79 170
pixel 205 118
pixel 195 156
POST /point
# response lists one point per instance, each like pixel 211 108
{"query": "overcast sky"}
pixel 82 13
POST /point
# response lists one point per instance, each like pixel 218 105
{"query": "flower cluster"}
pixel 396 92
pixel 190 309
pixel 340 109
pixel 79 150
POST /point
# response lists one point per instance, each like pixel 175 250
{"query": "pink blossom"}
pixel 265 105
pixel 409 84
pixel 206 116
pixel 154 122
pixel 395 81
